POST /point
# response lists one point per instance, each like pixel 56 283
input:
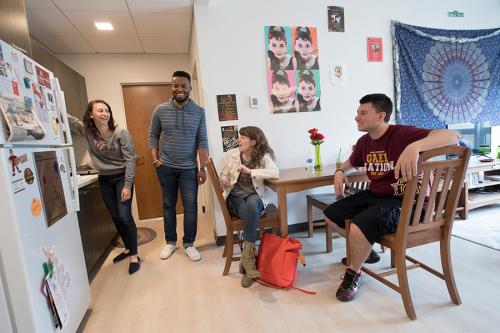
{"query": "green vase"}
pixel 317 158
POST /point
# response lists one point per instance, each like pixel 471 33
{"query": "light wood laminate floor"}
pixel 177 295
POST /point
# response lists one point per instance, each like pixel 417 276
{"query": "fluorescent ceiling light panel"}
pixel 103 26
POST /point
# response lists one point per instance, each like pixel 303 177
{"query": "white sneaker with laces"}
pixel 192 253
pixel 167 251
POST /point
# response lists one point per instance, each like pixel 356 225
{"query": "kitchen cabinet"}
pixel 96 228
pixel 14 24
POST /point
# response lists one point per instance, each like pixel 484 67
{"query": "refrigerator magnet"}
pixel 28 176
pixel 55 125
pixel 43 77
pixel 14 161
pixel 18 186
pixel 28 66
pixel 27 82
pixel 36 207
pixel 62 168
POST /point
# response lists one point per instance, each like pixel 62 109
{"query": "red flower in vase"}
pixel 316 137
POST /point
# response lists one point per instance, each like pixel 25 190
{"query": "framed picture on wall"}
pixel 226 107
pixel 374 49
pixel 229 137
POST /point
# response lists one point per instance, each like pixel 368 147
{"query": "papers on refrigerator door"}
pixel 57 281
pixel 18 119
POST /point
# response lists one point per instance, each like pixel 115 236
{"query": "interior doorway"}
pixel 140 101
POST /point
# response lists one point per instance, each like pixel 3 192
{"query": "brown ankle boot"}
pixel 246 281
pixel 247 262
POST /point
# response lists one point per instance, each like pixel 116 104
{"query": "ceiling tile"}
pixel 92 5
pixel 84 22
pixel 172 6
pixel 65 44
pixel 39 4
pixel 115 44
pixel 49 22
pixel 166 45
pixel 163 24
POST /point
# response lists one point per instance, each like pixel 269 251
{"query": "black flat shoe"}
pixel 373 258
pixel 120 257
pixel 134 267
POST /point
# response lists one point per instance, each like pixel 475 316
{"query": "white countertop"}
pixel 86 180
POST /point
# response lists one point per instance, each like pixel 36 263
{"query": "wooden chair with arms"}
pixel 426 219
pixel 270 219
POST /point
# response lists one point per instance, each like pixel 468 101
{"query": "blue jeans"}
pixel 248 209
pixel 121 212
pixel 173 180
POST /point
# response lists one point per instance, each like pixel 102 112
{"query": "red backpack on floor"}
pixel 277 261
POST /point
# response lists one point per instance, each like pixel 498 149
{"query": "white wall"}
pixel 231 59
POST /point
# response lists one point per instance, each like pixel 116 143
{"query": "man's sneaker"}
pixel 120 257
pixel 349 286
pixel 167 251
pixel 373 258
pixel 192 253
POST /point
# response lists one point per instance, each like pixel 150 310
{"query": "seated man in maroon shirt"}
pixel 390 154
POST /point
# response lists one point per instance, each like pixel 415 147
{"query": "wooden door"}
pixel 140 102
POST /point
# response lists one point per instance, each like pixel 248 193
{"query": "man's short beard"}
pixel 180 101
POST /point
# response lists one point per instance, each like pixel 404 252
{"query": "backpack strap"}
pixel 267 284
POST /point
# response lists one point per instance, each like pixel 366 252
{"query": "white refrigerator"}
pixel 38 203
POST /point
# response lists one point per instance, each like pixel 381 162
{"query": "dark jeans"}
pixel 121 212
pixel 173 180
pixel 248 209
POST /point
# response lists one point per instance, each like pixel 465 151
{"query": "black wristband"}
pixel 339 170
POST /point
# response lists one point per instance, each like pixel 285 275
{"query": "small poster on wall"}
pixel 374 49
pixel 226 107
pixel 335 19
pixel 229 137
pixel 338 75
pixel 292 69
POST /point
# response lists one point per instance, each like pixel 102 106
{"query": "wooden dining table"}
pixel 299 179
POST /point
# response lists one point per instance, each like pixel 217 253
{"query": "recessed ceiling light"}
pixel 103 26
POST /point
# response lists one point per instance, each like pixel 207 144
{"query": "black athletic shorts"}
pixel 375 215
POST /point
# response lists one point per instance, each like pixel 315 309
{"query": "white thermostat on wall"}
pixel 254 102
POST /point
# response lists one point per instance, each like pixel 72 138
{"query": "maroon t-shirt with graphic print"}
pixel 379 157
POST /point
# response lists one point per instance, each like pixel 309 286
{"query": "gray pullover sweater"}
pixel 112 156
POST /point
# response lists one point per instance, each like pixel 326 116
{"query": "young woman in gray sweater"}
pixel 112 152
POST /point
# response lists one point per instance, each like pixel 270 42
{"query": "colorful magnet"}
pixel 14 161
pixel 28 176
pixel 55 125
pixel 43 77
pixel 26 81
pixel 36 207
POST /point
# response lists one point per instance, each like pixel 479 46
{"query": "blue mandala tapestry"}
pixel 446 76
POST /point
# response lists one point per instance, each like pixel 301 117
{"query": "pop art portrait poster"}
pixel 290 50
pixel 308 90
